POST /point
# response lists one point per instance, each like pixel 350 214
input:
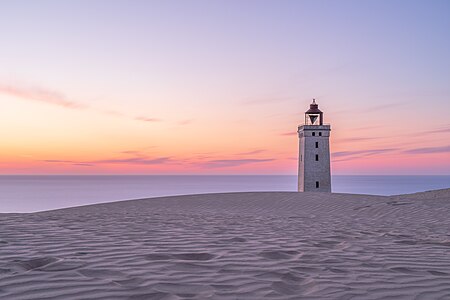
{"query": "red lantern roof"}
pixel 313 108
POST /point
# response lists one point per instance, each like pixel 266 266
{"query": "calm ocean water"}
pixel 37 193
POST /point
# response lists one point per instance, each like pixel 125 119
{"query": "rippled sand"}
pixel 264 245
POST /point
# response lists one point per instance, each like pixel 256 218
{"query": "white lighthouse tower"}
pixel 314 152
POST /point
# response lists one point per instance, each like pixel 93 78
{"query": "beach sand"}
pixel 262 245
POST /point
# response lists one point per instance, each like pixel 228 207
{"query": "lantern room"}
pixel 314 116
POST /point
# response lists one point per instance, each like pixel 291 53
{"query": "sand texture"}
pixel 267 245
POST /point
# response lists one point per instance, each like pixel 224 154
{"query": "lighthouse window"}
pixel 317 157
pixel 317 184
pixel 313 134
pixel 320 133
pixel 317 144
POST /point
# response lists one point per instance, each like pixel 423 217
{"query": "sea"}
pixel 39 193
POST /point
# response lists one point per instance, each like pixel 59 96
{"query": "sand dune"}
pixel 268 245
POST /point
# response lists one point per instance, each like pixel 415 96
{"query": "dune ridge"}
pixel 261 245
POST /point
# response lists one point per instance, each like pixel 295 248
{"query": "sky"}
pixel 219 87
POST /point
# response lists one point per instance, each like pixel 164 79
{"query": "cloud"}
pixel 75 163
pixel 252 152
pixel 384 106
pixel 375 108
pixel 146 161
pixel 137 153
pixel 344 155
pixel 147 119
pixel 40 95
pixel 138 160
pixel 289 133
pixel 426 150
pixel 357 139
pixel 130 152
pixel 444 129
pixel 365 127
pixel 48 96
pixel 391 105
pixel 133 160
pixel 185 122
pixel 222 163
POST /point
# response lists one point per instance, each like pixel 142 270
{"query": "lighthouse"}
pixel 314 152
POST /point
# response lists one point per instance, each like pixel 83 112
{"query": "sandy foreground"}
pixel 266 245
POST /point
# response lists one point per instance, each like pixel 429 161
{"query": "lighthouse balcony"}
pixel 314 127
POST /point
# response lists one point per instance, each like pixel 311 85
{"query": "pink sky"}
pixel 219 88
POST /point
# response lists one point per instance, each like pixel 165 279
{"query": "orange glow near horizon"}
pixel 94 143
